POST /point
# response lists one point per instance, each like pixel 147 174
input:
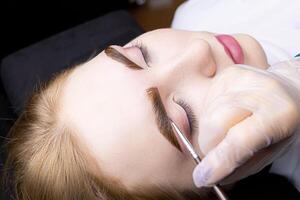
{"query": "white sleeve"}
pixel 288 164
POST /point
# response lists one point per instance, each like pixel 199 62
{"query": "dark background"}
pixel 24 22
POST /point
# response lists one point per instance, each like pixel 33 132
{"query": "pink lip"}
pixel 232 48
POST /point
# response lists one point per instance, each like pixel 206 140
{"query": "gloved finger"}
pixel 257 162
pixel 240 143
pixel 216 122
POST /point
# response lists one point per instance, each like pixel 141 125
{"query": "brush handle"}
pixel 220 193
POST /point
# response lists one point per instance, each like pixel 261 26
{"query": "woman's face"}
pixel 120 112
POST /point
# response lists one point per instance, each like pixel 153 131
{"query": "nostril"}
pixel 208 71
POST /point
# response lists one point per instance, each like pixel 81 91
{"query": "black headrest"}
pixel 24 70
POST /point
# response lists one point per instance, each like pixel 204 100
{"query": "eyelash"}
pixel 190 115
pixel 143 49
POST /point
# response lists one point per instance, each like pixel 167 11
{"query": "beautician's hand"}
pixel 250 118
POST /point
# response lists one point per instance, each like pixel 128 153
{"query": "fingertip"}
pixel 201 175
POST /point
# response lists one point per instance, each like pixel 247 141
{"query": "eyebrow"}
pixel 161 116
pixel 117 56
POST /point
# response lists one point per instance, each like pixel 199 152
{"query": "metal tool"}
pixel 196 158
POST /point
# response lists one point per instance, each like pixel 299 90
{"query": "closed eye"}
pixel 144 50
pixel 117 56
pixel 190 115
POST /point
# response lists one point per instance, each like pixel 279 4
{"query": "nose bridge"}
pixel 196 59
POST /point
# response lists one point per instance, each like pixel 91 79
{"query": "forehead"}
pixel 171 36
pixel 102 92
pixel 107 105
pixel 168 33
pixel 164 44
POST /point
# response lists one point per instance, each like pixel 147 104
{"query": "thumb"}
pixel 240 143
pixel 216 123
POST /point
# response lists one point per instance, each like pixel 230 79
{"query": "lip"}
pixel 232 48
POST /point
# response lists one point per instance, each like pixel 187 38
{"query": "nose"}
pixel 196 58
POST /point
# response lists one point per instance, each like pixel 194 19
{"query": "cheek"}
pixel 142 160
pixel 253 51
pixel 167 167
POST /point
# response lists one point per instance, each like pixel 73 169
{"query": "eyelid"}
pixel 144 50
pixel 121 58
pixel 190 115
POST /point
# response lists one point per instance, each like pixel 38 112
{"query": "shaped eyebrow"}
pixel 117 56
pixel 162 119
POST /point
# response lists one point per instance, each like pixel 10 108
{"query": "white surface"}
pixel 275 23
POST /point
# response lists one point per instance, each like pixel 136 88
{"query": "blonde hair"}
pixel 46 161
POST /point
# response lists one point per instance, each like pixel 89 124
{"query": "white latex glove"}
pixel 249 118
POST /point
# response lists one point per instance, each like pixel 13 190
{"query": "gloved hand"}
pixel 249 118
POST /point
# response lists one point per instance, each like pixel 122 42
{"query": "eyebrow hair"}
pixel 117 56
pixel 161 117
